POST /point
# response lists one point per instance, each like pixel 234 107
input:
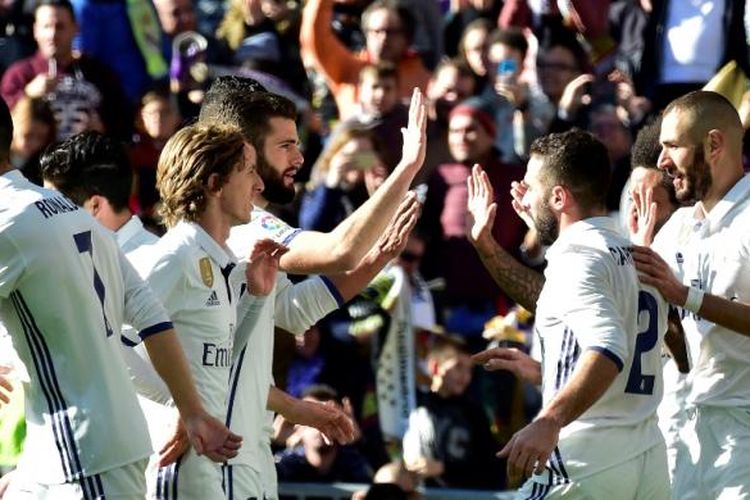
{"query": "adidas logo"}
pixel 213 299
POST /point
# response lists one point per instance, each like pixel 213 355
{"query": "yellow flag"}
pixel 731 82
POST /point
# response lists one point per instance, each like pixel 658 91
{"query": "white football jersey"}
pixel 133 239
pixel 293 307
pixel 65 291
pixel 711 252
pixel 592 300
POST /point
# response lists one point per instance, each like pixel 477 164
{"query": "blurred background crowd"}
pixel 496 74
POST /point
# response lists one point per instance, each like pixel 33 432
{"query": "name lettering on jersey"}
pixel 213 299
pixel 207 271
pixel 214 355
pixel 55 206
pixel 622 255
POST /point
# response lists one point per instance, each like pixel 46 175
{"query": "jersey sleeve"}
pixel 143 310
pixel 12 265
pixel 142 373
pixel 592 313
pixel 301 305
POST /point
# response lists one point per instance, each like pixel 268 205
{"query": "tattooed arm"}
pixel 519 282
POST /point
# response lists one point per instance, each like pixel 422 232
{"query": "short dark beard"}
pixel 698 177
pixel 275 191
pixel 547 226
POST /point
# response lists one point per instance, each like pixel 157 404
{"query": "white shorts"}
pixel 242 482
pixel 190 477
pixel 123 483
pixel 715 459
pixel 643 477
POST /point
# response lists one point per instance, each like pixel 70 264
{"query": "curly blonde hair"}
pixel 187 161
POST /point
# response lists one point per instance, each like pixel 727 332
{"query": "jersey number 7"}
pixel 83 242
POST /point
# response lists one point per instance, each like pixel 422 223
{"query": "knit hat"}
pixel 480 109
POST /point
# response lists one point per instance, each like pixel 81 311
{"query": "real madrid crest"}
pixel 207 272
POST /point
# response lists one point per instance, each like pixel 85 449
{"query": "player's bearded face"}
pixel 694 179
pixel 276 191
pixel 546 223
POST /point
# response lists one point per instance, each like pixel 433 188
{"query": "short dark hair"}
pixel 646 148
pixel 408 22
pixel 708 110
pixel 578 161
pixel 511 37
pixel 321 392
pixel 250 111
pixel 217 94
pixel 61 4
pixel 89 164
pixel 6 131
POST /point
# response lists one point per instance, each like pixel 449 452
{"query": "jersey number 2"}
pixel 638 383
pixel 83 242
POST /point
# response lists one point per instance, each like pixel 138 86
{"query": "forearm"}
pixel 282 403
pixel 520 283
pixel 730 314
pixel 351 283
pixel 593 375
pixel 169 359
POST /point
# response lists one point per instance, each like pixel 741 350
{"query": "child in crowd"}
pixel 448 441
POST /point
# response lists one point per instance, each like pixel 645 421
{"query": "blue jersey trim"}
pixel 614 357
pixel 234 377
pixel 334 291
pixel 154 329
pixel 61 425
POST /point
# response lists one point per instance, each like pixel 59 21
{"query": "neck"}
pixel 261 202
pixel 215 224
pixel 567 219
pixel 5 167
pixel 116 220
pixel 721 184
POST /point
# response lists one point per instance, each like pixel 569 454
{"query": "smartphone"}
pixel 506 70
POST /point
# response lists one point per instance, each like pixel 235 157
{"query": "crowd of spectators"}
pixel 496 74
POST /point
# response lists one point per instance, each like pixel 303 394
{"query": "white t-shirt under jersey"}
pixel 712 252
pixel 592 300
pixel 65 290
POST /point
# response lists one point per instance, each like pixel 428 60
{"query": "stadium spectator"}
pixel 389 32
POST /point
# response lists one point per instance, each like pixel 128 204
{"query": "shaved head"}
pixel 704 111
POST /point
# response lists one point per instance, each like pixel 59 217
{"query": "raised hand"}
pixel 642 216
pixel 396 234
pixel 211 438
pixel 415 134
pixel 511 359
pixel 481 206
pixel 262 266
pixel 518 191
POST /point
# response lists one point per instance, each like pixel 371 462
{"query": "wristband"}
pixel 694 300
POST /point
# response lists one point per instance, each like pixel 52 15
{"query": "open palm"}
pixel 481 205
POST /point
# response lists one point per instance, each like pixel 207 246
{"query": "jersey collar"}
pixel 128 231
pixel 739 192
pixel 11 177
pixel 221 256
pixel 575 232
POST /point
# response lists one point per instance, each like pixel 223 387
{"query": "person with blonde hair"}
pixel 346 173
pixel 208 181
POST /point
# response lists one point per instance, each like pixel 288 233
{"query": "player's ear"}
pixel 213 183
pixel 559 197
